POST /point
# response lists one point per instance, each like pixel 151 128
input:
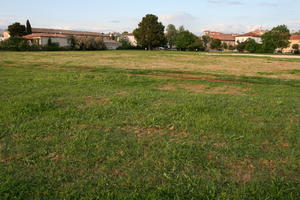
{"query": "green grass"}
pixel 69 132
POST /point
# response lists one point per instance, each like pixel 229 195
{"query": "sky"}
pixel 229 16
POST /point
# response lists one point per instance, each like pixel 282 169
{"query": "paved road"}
pixel 255 55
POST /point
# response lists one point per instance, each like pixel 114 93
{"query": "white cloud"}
pixel 177 19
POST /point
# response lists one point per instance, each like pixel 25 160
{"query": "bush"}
pixel 89 43
pixel 15 44
pixel 126 45
pixel 251 46
pixel 196 46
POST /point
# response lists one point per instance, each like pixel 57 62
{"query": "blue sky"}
pixel 124 15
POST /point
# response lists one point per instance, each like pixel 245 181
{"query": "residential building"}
pixel 111 44
pixel 294 39
pixel 255 35
pixel 131 39
pixel 69 32
pixel 228 39
pixel 5 35
pixel 43 39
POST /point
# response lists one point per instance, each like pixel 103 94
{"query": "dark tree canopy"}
pixel 28 27
pixel 278 37
pixel 216 44
pixel 16 30
pixel 184 39
pixel 206 40
pixel 171 35
pixel 150 32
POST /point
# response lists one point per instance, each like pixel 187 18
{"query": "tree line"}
pixel 151 34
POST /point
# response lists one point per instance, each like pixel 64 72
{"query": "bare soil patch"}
pixel 90 101
pixel 166 87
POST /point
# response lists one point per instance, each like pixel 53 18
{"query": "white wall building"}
pixel 131 39
pixel 43 39
pixel 255 35
pixel 111 44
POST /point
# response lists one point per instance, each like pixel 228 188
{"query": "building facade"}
pixel 294 40
pixel 131 39
pixel 255 35
pixel 44 39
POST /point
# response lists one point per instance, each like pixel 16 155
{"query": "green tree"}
pixel 252 46
pixel 241 46
pixel 171 35
pixel 28 27
pixel 296 48
pixel 125 44
pixel 181 29
pixel 16 30
pixel 72 42
pixel 225 45
pixel 206 40
pixel 184 39
pixel 150 32
pixel 278 37
pixel 216 44
pixel 197 45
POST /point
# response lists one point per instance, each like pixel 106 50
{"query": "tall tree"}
pixel 184 39
pixel 16 30
pixel 171 35
pixel 278 37
pixel 150 32
pixel 216 44
pixel 28 27
pixel 206 40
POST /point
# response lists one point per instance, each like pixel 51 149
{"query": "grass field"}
pixel 148 125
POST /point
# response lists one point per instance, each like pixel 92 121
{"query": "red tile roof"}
pixel 295 37
pixel 68 32
pixel 251 34
pixel 257 33
pixel 224 37
pixel 35 35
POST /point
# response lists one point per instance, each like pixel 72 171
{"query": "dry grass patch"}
pixel 201 88
pixel 167 87
pixel 90 101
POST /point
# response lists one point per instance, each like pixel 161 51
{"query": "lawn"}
pixel 148 125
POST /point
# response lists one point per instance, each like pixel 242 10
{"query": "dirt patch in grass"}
pixel 90 101
pixel 166 87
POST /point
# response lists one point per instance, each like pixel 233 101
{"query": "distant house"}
pixel 4 35
pixel 69 32
pixel 255 35
pixel 294 39
pixel 131 39
pixel 228 39
pixel 44 38
pixel 225 39
pixel 111 44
